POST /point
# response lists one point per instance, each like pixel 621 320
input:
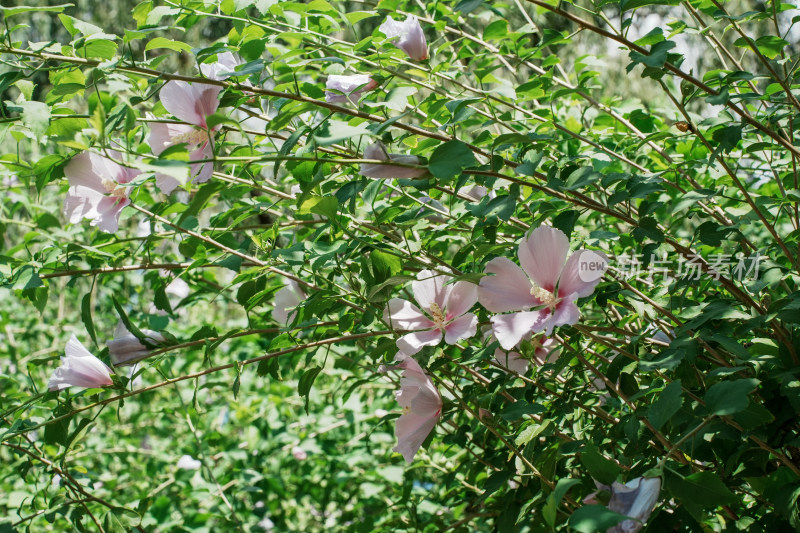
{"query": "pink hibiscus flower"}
pixel 79 368
pixel 286 300
pixel 342 89
pixel 222 68
pixel 409 36
pixel 422 407
pixel 545 350
pixel 97 189
pixel 191 103
pixel 126 349
pixel 548 283
pixel 635 499
pixel 378 170
pixel 446 307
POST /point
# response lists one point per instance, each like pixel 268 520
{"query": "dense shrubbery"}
pixel 369 267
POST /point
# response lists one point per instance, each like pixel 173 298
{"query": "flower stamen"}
pixel 191 137
pixel 114 189
pixel 543 295
pixel 438 315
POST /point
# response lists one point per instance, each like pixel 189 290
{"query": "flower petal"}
pixel 413 342
pixel 566 314
pixel 635 499
pixel 226 63
pixel 512 361
pixel 108 211
pixel 582 273
pixel 430 288
pixel 511 328
pixel 542 256
pixel 422 408
pixel 414 43
pixel 374 170
pixel 389 172
pixel 402 314
pixel 462 327
pixel 287 299
pixel 411 37
pixel 411 431
pixel 547 352
pixel 340 89
pixel 509 289
pixel 190 103
pixel 79 368
pixel 166 183
pixel 201 172
pixel 463 295
pixel 81 202
pixel 163 135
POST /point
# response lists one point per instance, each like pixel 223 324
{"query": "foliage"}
pixel 679 166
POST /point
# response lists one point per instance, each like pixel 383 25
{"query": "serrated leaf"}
pixel 730 397
pixel 666 405
pixel 450 159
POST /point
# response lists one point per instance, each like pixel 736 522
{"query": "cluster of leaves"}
pixel 688 373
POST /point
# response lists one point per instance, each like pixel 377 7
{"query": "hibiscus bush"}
pixel 400 266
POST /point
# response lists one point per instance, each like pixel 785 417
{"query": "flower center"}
pixel 115 189
pixel 406 409
pixel 543 295
pixel 191 137
pixel 438 315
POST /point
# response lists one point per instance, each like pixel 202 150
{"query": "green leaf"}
pixel 467 6
pixel 668 403
pixel 769 45
pixel 449 159
pixel 531 432
pixel 627 5
pixel 36 115
pixel 176 169
pixel 521 408
pixel 220 118
pixel 335 131
pixel 161 42
pixel 702 489
pixel 57 432
pixel 27 278
pixel 594 518
pixel 550 509
pixel 600 468
pixel 306 382
pixel 26 88
pixel 264 5
pixel 496 30
pixel 727 137
pixel 397 99
pixel 385 265
pixel 529 164
pixel 75 26
pixel 656 58
pixel 98 49
pixel 730 397
pixel 11 11
pixel 130 326
pixel 86 315
pixel 120 520
pixel 321 205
